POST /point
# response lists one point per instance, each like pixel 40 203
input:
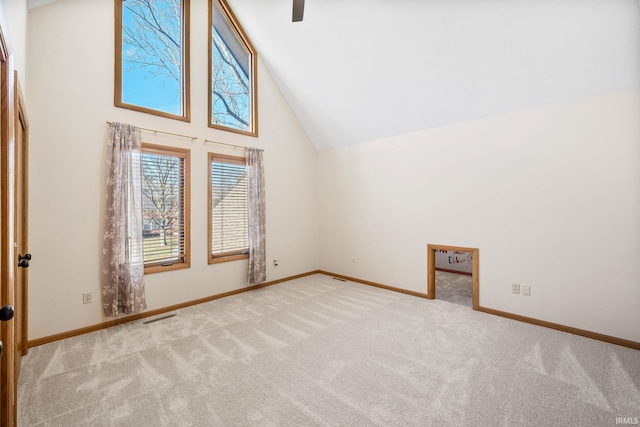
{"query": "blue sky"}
pixel 162 92
pixel 141 88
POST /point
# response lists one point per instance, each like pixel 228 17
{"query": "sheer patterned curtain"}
pixel 123 254
pixel 255 200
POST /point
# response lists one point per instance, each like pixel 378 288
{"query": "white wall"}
pixel 14 25
pixel 523 187
pixel 70 57
pixel 550 196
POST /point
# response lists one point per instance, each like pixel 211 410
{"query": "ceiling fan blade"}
pixel 298 10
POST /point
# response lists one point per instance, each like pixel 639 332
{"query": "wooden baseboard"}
pixel 377 285
pixel 51 338
pixel 588 334
pixel 593 335
pixel 446 270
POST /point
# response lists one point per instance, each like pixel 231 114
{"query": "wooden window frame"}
pixel 186 60
pixel 185 154
pixel 242 37
pixel 226 256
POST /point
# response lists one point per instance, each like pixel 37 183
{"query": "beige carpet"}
pixel 317 351
pixel 454 288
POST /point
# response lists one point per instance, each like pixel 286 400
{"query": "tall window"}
pixel 165 206
pixel 228 214
pixel 232 73
pixel 152 57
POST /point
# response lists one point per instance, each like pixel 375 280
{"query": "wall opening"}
pixel 471 256
pixel 454 277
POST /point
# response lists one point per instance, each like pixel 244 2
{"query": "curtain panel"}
pixel 123 253
pixel 257 217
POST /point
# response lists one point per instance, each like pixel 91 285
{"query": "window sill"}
pixel 162 268
pixel 226 258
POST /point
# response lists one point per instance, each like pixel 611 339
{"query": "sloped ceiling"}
pixel 360 70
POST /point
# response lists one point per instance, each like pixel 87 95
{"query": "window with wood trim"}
pixel 232 73
pixel 228 213
pixel 165 207
pixel 152 57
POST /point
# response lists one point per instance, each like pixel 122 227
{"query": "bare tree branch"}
pixel 229 110
pixel 151 35
pixel 161 191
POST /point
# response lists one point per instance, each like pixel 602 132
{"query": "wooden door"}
pixel 8 260
pixel 3 58
pixel 5 327
pixel 3 404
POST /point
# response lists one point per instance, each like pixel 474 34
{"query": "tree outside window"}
pixel 152 56
pixel 232 79
pixel 165 206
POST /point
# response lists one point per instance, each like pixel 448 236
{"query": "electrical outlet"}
pixel 275 262
pixel 526 290
pixel 87 298
pixel 515 288
pixel 353 260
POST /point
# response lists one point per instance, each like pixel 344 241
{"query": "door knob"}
pixel 6 313
pixel 0 348
pixel 24 260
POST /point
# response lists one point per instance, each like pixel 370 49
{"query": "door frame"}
pixel 22 234
pixel 431 270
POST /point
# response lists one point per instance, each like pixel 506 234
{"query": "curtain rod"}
pixel 192 138
pixel 210 141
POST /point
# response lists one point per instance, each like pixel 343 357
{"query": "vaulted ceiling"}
pixel 360 70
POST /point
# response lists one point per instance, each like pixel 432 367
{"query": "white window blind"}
pixel 228 210
pixel 164 211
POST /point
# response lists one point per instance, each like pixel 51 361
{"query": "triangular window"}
pixel 232 73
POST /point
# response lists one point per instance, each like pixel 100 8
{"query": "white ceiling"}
pixel 359 70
